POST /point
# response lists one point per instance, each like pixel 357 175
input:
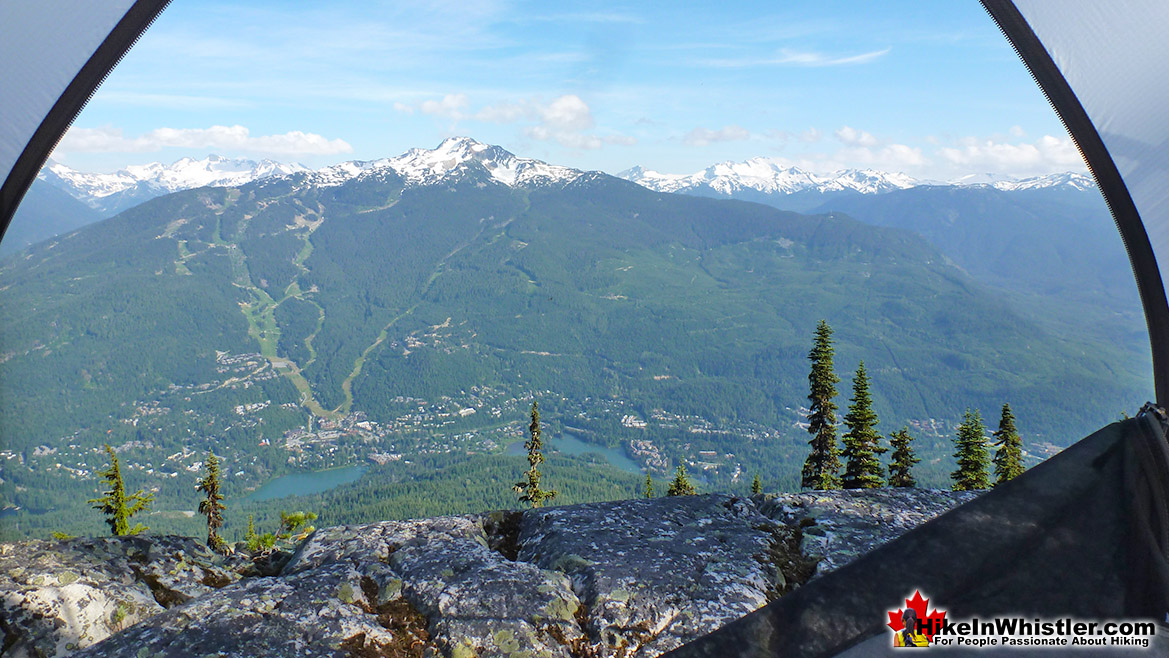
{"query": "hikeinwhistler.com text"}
pixel 1020 632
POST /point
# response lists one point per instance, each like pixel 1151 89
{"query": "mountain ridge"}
pixel 417 166
pixel 771 177
pixel 420 166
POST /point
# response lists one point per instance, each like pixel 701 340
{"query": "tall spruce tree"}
pixel 756 485
pixel 862 443
pixel 116 505
pixel 250 537
pixel 529 489
pixel 681 485
pixel 970 453
pixel 1008 457
pixel 901 465
pixel 212 506
pixel 649 485
pixel 822 468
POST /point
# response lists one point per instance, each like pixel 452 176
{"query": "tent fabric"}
pixel 1105 69
pixel 55 53
pixel 1115 57
pixel 1084 534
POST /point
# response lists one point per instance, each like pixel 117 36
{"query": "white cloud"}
pixel 891 157
pixel 811 136
pixel 450 107
pixel 111 140
pixel 853 137
pixel 568 113
pixel 936 158
pixel 567 120
pixel 703 136
pixel 788 57
pixel 1046 155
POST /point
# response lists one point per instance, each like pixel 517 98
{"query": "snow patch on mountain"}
pixel 450 160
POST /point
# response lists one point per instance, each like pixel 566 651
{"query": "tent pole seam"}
pixel 72 100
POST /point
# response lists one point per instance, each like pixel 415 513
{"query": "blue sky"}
pixel 928 88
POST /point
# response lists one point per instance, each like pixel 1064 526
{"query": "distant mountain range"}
pixel 769 177
pixel 110 194
pixel 1047 235
pixel 1050 235
pixel 758 179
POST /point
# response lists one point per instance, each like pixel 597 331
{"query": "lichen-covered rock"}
pixel 326 611
pixel 59 596
pixel 630 579
pixel 375 541
pixel 840 526
pixel 477 602
pixel 482 604
pixel 656 573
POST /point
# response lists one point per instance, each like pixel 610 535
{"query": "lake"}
pixel 570 445
pixel 300 484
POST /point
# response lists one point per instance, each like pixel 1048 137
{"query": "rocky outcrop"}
pixel 840 526
pixel 652 575
pixel 630 578
pixel 58 596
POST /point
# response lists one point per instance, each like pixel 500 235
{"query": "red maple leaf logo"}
pixel 929 623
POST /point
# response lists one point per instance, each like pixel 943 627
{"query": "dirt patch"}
pixel 408 626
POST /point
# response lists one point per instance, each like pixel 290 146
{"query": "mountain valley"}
pixel 405 313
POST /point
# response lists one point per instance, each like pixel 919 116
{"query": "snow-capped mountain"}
pixel 114 192
pixel 122 189
pixel 448 160
pixel 766 176
pixel 1065 180
pixel 757 179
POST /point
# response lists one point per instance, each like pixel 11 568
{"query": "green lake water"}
pixel 570 445
pixel 300 484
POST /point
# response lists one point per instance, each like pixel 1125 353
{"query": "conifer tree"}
pixel 900 469
pixel 970 453
pixel 115 504
pixel 649 485
pixel 1008 458
pixel 251 538
pixel 822 468
pixel 862 443
pixel 529 490
pixel 756 485
pixel 681 485
pixel 212 507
